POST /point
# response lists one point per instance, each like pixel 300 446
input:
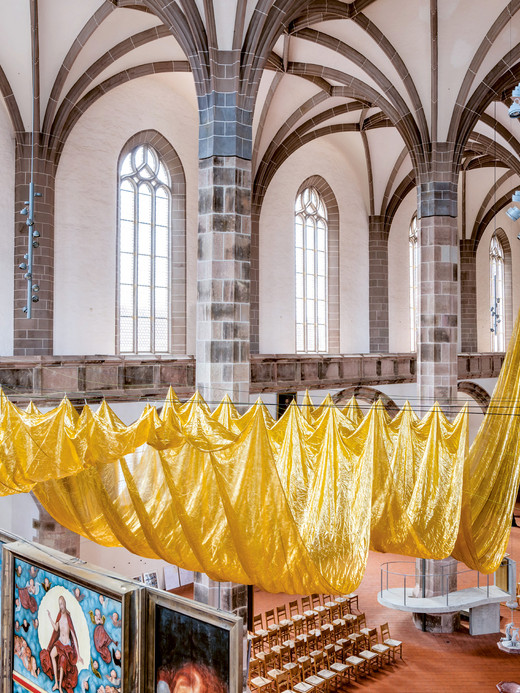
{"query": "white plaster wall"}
pixel 6 232
pixel 86 206
pixel 17 514
pixel 277 299
pixel 399 277
pixel 483 296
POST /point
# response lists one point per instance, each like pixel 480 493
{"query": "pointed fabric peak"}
pixel 226 414
pixel 307 406
pixel 352 411
pixel 258 406
pixel 32 409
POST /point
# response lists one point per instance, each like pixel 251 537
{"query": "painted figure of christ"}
pixel 59 659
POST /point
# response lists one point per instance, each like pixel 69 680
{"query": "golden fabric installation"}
pixel 292 505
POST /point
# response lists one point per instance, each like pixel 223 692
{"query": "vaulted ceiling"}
pixel 381 79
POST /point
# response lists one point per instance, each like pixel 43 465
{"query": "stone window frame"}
pixel 173 164
pixel 506 310
pixel 333 293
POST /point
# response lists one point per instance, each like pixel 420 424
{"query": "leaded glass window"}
pixel 413 250
pixel 497 307
pixel 311 232
pixel 144 253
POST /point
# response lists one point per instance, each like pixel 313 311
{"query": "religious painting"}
pixel 67 635
pixel 196 648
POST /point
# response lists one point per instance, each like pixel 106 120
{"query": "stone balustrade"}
pixel 131 378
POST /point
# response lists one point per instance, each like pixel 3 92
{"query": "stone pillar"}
pixel 50 533
pixel 378 284
pixel 34 336
pixel 223 266
pixel 435 578
pixel 468 296
pixel 223 279
pixel 437 343
pixel 438 294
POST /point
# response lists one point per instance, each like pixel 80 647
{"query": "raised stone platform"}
pixel 461 600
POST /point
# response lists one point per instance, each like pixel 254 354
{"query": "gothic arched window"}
pixel 144 253
pixel 497 293
pixel 413 250
pixel 311 241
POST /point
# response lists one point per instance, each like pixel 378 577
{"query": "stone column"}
pixel 223 279
pixel 378 285
pixel 223 267
pixel 34 336
pixel 468 296
pixel 438 294
pixel 437 347
pixel 50 533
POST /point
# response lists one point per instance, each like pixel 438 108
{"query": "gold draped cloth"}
pixel 291 506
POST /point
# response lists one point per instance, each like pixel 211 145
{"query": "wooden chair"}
pixel 297 618
pixel 353 602
pixel 283 654
pixel 267 661
pixel 282 681
pixel 258 626
pixel 381 650
pixel 309 677
pixel 332 649
pixel 309 614
pixel 358 664
pixel 361 622
pixel 321 610
pixel 258 682
pixel 394 645
pixel 358 640
pixel 270 621
pixel 257 643
pixel 321 669
pixel 371 659
pixel 342 669
pixel 281 616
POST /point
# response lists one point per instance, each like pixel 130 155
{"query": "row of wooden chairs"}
pixel 280 634
pixel 301 666
pixel 301 618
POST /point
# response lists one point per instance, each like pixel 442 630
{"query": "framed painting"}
pixel 66 626
pixel 192 647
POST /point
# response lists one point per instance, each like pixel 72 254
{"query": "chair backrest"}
pixel 269 617
pixel 306 668
pixel 315 599
pixel 306 603
pixel 317 662
pixel 255 668
pixel 372 637
pixel 269 660
pixel 281 613
pixel 257 621
pixel 293 608
pixel 311 642
pixel 282 681
pixel 385 631
pixel 300 648
pixel 361 621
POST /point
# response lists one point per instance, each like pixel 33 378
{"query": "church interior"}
pixel 259 346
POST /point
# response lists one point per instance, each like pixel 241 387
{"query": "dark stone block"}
pixel 136 376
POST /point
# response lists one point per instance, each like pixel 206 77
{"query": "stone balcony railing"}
pixel 48 378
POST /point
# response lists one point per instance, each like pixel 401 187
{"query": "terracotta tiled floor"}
pixel 433 663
